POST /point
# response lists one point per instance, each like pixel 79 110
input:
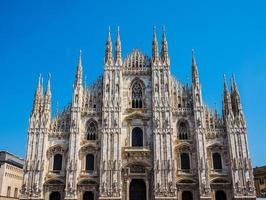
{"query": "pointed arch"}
pixel 183 130
pixel 92 128
pixel 137 93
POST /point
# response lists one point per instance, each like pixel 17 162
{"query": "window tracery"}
pixel 137 96
pixel 183 133
pixel 91 130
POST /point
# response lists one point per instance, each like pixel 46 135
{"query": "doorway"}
pixel 88 195
pixel 137 190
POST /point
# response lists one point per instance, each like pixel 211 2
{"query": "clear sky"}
pixel 45 36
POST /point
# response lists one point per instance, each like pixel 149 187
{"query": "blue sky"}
pixel 45 36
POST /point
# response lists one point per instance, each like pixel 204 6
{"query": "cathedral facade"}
pixel 137 133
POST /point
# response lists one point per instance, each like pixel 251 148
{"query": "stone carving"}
pixel 136 91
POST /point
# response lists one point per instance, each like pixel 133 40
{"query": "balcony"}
pixel 136 153
pixel 89 173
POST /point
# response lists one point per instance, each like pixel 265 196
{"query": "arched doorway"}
pixel 137 190
pixel 88 195
pixel 187 195
pixel 55 196
pixel 220 195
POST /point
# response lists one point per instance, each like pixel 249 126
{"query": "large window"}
pixel 183 131
pixel 185 163
pixel 91 130
pixel 57 162
pixel 137 101
pixel 89 162
pixel 217 161
pixel 137 137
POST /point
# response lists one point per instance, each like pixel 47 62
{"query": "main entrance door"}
pixel 55 196
pixel 220 195
pixel 88 195
pixel 137 190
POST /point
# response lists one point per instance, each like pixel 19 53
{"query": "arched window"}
pixel 89 162
pixel 183 131
pixel 217 161
pixel 185 163
pixel 57 162
pixel 91 130
pixel 55 196
pixel 220 195
pixel 137 137
pixel 137 95
pixel 187 195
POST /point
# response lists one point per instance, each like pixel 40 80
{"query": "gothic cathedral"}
pixel 137 134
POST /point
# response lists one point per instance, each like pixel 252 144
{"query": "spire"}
pixel 164 49
pixel 48 87
pixel 47 95
pixel 234 86
pixel 108 50
pixel 235 97
pixel 38 95
pixel 118 49
pixel 225 86
pixel 39 87
pixel 195 73
pixel 154 46
pixel 78 81
pixel 226 100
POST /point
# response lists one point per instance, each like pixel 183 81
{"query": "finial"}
pixel 118 35
pixel 40 77
pixel 154 34
pixel 193 58
pixel 109 33
pixel 80 57
pixel 164 34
